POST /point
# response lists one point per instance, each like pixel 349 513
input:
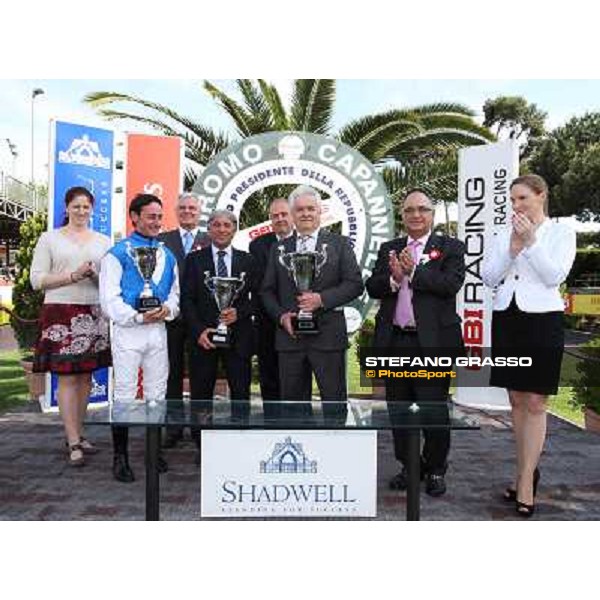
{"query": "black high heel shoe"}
pixel 510 494
pixel 527 510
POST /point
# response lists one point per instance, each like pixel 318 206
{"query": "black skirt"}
pixel 538 335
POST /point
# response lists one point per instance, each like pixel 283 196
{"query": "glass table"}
pixel 243 415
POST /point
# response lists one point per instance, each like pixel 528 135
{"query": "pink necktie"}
pixel 404 311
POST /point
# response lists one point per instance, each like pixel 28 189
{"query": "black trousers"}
pixel 238 370
pixel 268 361
pixel 434 458
pixel 268 368
pixel 178 347
pixel 329 368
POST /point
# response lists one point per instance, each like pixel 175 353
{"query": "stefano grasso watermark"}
pixel 429 365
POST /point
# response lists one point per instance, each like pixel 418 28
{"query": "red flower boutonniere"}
pixel 434 254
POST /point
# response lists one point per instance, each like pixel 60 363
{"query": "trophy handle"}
pixel 208 281
pixel 285 259
pixel 321 259
pixel 238 291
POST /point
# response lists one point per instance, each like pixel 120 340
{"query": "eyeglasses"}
pixel 421 210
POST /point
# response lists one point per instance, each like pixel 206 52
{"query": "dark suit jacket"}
pixel 172 240
pixel 199 307
pixel 339 282
pixel 260 248
pixel 434 287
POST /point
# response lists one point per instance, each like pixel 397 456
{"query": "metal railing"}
pixel 18 200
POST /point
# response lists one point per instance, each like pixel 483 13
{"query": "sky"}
pixel 561 99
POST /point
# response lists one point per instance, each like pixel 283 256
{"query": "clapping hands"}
pixel 401 264
pixel 523 234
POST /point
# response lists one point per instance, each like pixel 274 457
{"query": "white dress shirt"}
pixel 183 233
pixel 423 241
pixel 227 258
pixel 310 241
pixel 535 274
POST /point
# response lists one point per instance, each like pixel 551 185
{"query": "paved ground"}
pixel 36 483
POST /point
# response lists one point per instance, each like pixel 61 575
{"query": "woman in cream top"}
pixel 73 340
pixel 525 265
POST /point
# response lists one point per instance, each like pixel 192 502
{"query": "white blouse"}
pixel 56 253
pixel 535 274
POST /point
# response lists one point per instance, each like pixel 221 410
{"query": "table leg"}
pixel 152 479
pixel 413 468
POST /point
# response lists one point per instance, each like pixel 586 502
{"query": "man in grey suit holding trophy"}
pixel 310 276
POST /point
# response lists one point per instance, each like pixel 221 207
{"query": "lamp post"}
pixel 34 94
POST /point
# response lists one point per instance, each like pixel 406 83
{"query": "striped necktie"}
pixel 221 266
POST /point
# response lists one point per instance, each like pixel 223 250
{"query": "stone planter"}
pixel 36 382
pixel 591 420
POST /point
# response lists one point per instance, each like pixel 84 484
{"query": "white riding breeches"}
pixel 145 347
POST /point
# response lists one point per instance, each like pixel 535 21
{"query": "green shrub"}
pixel 364 337
pixel 586 391
pixel 587 263
pixel 27 303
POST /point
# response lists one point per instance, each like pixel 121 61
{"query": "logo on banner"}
pixel 98 389
pixel 272 473
pixel 354 193
pixel 288 457
pixel 85 152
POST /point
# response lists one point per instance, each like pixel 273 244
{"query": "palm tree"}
pixel 414 147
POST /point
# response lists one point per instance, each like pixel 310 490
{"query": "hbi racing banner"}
pixel 289 474
pixel 484 177
pixel 81 156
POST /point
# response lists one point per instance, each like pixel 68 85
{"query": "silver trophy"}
pixel 304 268
pixel 145 259
pixel 225 291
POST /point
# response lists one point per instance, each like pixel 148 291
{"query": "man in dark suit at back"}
pixel 181 241
pixel 260 248
pixel 417 278
pixel 338 282
pixel 202 316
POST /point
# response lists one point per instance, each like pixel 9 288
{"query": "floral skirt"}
pixel 73 339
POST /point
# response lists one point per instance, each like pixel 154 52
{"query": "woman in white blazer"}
pixel 525 265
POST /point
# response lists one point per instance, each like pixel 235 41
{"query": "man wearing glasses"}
pixel 417 278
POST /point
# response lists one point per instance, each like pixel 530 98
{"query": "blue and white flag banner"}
pixel 81 155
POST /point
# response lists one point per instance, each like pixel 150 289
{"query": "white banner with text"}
pixel 289 474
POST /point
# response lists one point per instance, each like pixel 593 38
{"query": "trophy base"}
pixel 305 325
pixel 146 304
pixel 221 339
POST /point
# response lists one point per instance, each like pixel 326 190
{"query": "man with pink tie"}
pixel 417 278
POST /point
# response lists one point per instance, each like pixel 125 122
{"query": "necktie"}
pixel 221 266
pixel 404 310
pixel 188 240
pixel 304 243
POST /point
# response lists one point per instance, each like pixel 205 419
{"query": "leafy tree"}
pixel 415 145
pixel 569 160
pixel 516 118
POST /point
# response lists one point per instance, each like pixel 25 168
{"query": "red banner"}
pixel 155 166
